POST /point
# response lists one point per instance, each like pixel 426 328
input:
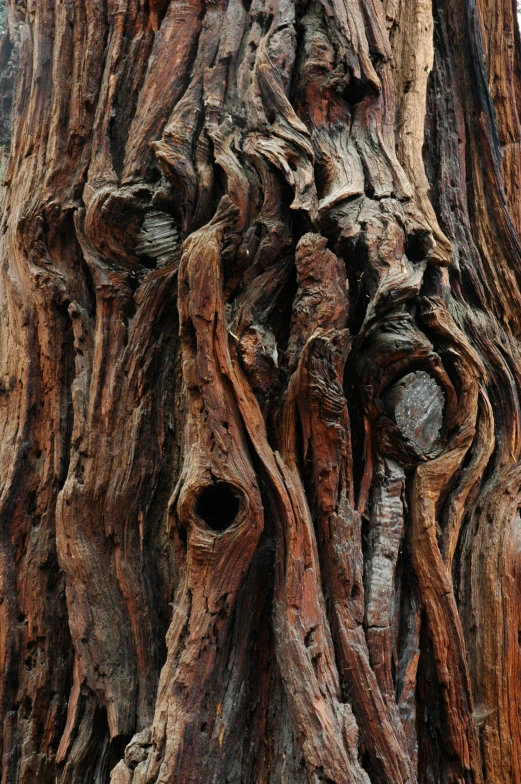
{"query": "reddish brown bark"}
pixel 260 392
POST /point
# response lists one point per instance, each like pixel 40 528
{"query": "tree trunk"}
pixel 260 392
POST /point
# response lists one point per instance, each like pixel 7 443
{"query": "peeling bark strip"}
pixel 260 385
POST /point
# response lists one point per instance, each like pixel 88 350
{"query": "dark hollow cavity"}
pixel 218 506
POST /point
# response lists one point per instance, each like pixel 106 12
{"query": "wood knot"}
pixel 415 404
pixel 158 239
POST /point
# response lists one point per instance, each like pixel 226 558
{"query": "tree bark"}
pixel 260 392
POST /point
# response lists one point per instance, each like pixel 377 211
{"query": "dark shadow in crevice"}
pixel 218 505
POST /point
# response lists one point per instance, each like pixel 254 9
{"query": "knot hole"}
pixel 218 505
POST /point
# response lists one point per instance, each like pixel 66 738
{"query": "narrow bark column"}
pixel 36 368
pixel 464 160
pixel 502 50
pixel 412 40
pixel 318 348
pixel 218 520
pixel 58 710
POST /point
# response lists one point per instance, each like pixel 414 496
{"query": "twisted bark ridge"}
pixel 260 385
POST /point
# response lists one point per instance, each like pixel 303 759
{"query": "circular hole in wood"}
pixel 355 592
pixel 218 505
pixel 418 245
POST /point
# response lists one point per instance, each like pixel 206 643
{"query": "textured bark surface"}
pixel 260 392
